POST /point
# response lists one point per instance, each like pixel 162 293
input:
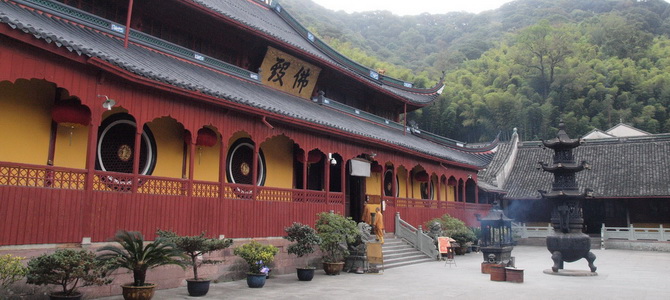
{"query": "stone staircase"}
pixel 399 253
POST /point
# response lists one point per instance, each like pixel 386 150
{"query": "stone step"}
pixel 399 253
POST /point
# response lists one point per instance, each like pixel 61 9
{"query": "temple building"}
pixel 223 116
pixel 628 179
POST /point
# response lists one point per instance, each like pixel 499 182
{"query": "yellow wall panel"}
pixel 169 137
pixel 207 162
pixel 278 153
pixel 25 120
pixel 71 146
pixel 451 193
pixel 373 184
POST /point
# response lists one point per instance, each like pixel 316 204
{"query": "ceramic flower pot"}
pixel 333 268
pixel 59 296
pixel 145 292
pixel 256 280
pixel 305 274
pixel 197 288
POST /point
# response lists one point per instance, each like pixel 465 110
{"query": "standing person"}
pixel 365 217
pixel 379 225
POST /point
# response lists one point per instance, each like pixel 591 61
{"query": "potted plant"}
pixel 336 232
pixel 194 247
pixel 67 268
pixel 137 257
pixel 11 270
pixel 257 257
pixel 306 240
pixel 457 230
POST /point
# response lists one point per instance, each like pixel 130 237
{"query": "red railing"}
pixel 45 204
pixel 419 211
pixel 42 176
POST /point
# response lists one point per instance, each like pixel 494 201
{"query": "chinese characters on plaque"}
pixel 288 73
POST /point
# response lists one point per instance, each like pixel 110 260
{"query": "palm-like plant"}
pixel 134 255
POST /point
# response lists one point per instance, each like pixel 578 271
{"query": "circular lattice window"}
pixel 116 146
pixel 388 183
pixel 240 161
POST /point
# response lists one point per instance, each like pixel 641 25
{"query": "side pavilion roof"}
pixel 620 168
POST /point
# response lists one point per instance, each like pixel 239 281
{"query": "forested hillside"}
pixel 526 65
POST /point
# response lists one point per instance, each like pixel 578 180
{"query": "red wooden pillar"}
pixel 87 202
pixel 343 183
pixel 305 156
pixel 476 192
pixel 91 149
pixel 254 172
pixel 382 194
pixel 222 169
pixel 407 179
pixel 430 187
pixel 394 186
pixel 326 165
pixel 137 151
pixel 224 203
pixel 191 168
pixel 130 14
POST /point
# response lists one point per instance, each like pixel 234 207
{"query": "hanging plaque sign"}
pixel 288 73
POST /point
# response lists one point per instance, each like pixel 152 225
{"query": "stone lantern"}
pixel 496 241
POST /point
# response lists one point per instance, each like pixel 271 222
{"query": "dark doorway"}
pixel 354 196
pixel 594 215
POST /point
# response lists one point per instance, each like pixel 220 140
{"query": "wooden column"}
pixel 191 167
pixel 254 171
pixel 326 184
pixel 305 156
pixel 137 151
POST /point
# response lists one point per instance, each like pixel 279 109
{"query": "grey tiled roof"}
pixel 182 74
pixel 269 22
pixel 495 166
pixel 633 167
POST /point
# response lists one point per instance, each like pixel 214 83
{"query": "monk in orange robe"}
pixel 379 225
pixel 365 217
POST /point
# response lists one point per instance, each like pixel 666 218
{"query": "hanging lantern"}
pixel 312 157
pixel 70 112
pixel 206 137
pixel 421 176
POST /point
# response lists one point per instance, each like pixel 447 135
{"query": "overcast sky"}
pixel 412 7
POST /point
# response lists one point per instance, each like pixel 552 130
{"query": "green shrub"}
pixel 305 237
pixel 11 270
pixel 454 228
pixel 336 233
pixel 68 268
pixel 256 255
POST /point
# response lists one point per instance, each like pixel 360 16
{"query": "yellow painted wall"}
pixel 71 148
pixel 169 137
pixel 207 162
pixel 402 183
pixel 278 153
pixel 451 193
pixel 373 184
pixel 25 120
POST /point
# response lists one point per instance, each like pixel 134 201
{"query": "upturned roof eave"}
pixel 356 76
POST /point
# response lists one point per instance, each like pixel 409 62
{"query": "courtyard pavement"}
pixel 622 274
